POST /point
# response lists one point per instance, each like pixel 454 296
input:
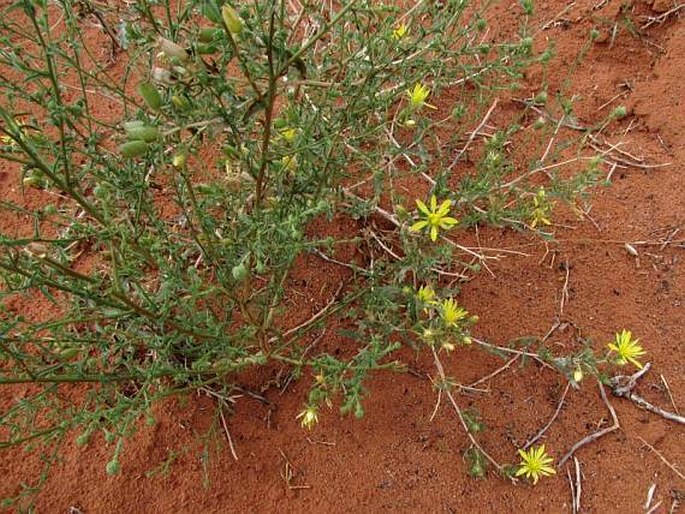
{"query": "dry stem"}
pixel 544 429
pixel 626 391
pixel 457 409
pixel 596 435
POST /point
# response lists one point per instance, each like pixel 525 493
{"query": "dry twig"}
pixel 473 135
pixel 650 497
pixel 460 415
pixel 576 487
pixel 544 429
pixel 228 433
pixel 596 435
pixel 663 459
pixel 622 386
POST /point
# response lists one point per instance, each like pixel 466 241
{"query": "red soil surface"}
pixel 396 458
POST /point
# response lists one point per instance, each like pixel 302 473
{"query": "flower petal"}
pixel 445 207
pixel 416 227
pixel 422 207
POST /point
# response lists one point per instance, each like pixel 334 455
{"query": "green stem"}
pixel 326 28
pixel 268 116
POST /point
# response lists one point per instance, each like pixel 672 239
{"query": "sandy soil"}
pixel 396 458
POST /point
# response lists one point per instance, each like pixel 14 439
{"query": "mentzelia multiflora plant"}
pixel 246 122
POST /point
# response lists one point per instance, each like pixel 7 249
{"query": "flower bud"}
pixel 578 374
pixel 179 160
pixel 113 467
pixel 82 439
pixel 619 112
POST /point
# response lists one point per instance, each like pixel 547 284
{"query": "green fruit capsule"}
pixel 232 20
pixel 151 95
pixel 239 272
pixel 145 133
pixel 68 354
pixel 180 102
pixel 209 34
pixel 133 124
pixel 133 149
pixel 206 49
pixel 211 12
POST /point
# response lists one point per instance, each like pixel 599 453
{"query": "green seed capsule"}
pixel 280 123
pixel 211 12
pixel 206 49
pixel 239 272
pixel 207 35
pixel 143 133
pixel 68 354
pixel 180 102
pixel 232 20
pixel 133 149
pixel 151 96
pixel 172 50
pixel 133 124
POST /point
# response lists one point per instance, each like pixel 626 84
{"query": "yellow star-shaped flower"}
pixel 434 218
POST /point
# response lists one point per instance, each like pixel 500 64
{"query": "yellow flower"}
pixel 19 127
pixel 627 349
pixel 535 463
pixel 289 162
pixel 400 31
pixel 289 134
pixel 309 416
pixel 542 209
pixel 417 96
pixel 451 313
pixel 434 218
pixel 426 295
